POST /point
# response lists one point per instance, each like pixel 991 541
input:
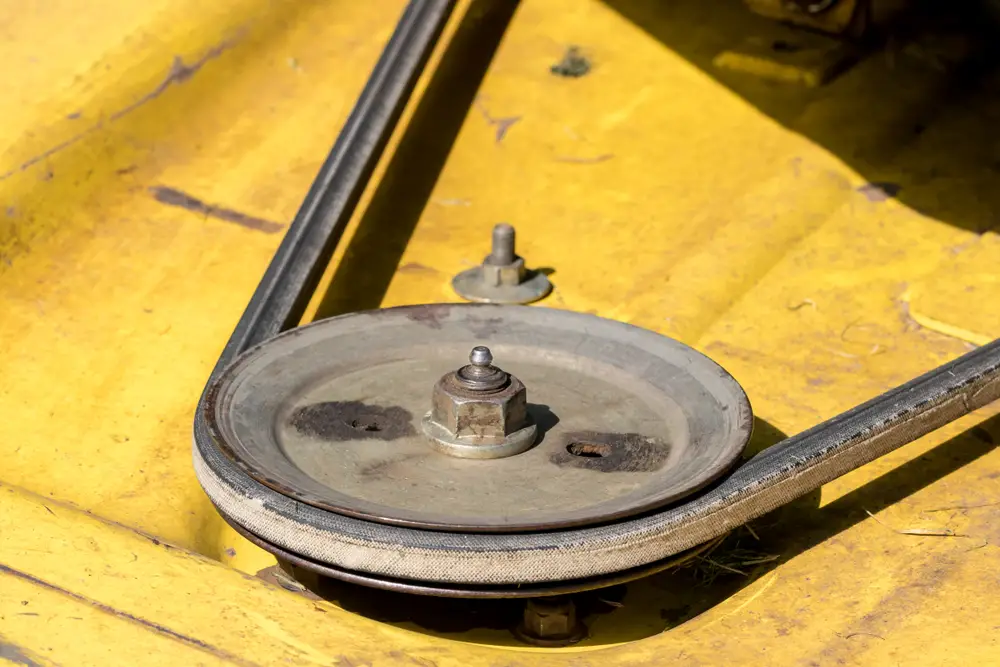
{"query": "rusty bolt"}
pixel 502 266
pixel 480 411
pixel 550 622
pixel 502 277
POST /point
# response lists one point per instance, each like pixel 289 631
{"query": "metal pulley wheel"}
pixel 374 429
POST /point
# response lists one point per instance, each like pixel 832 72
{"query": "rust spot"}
pixel 430 315
pixel 353 420
pixel 486 327
pixel 610 452
pixel 174 197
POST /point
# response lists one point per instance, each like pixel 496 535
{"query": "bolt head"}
pixel 495 275
pixel 550 620
pixel 480 417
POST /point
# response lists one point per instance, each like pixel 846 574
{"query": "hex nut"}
pixel 495 275
pixel 550 622
pixel 485 418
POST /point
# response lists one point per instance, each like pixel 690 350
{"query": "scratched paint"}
pixel 177 74
pixel 174 197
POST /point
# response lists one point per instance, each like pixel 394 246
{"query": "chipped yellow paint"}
pixel 733 214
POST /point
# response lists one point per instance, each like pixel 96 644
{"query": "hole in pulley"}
pixel 368 425
pixel 589 450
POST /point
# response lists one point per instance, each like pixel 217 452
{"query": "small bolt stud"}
pixel 481 356
pixel 502 277
pixel 502 251
pixel 480 374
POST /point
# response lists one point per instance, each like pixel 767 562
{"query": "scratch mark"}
pixel 501 124
pixel 178 73
pixel 150 625
pixel 802 304
pixel 174 197
pixel 603 157
pixel 964 507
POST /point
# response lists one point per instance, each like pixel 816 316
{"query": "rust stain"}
pixel 487 327
pixel 429 315
pixel 353 420
pixel 150 625
pixel 610 452
pixel 174 197
pixel 178 73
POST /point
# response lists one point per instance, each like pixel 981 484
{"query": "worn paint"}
pixel 750 220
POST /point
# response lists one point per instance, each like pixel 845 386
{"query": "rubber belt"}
pixel 776 476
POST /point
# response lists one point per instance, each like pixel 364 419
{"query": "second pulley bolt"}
pixel 502 277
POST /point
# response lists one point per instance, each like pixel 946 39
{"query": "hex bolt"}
pixel 550 622
pixel 502 251
pixel 502 277
pixel 479 411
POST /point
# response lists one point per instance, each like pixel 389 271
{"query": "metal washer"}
pixel 469 284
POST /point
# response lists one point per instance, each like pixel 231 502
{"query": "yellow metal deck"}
pixel 735 214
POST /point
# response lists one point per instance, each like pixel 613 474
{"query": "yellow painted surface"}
pixel 728 212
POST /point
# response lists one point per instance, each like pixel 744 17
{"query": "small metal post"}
pixel 502 251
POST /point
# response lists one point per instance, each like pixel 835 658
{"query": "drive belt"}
pixel 776 476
